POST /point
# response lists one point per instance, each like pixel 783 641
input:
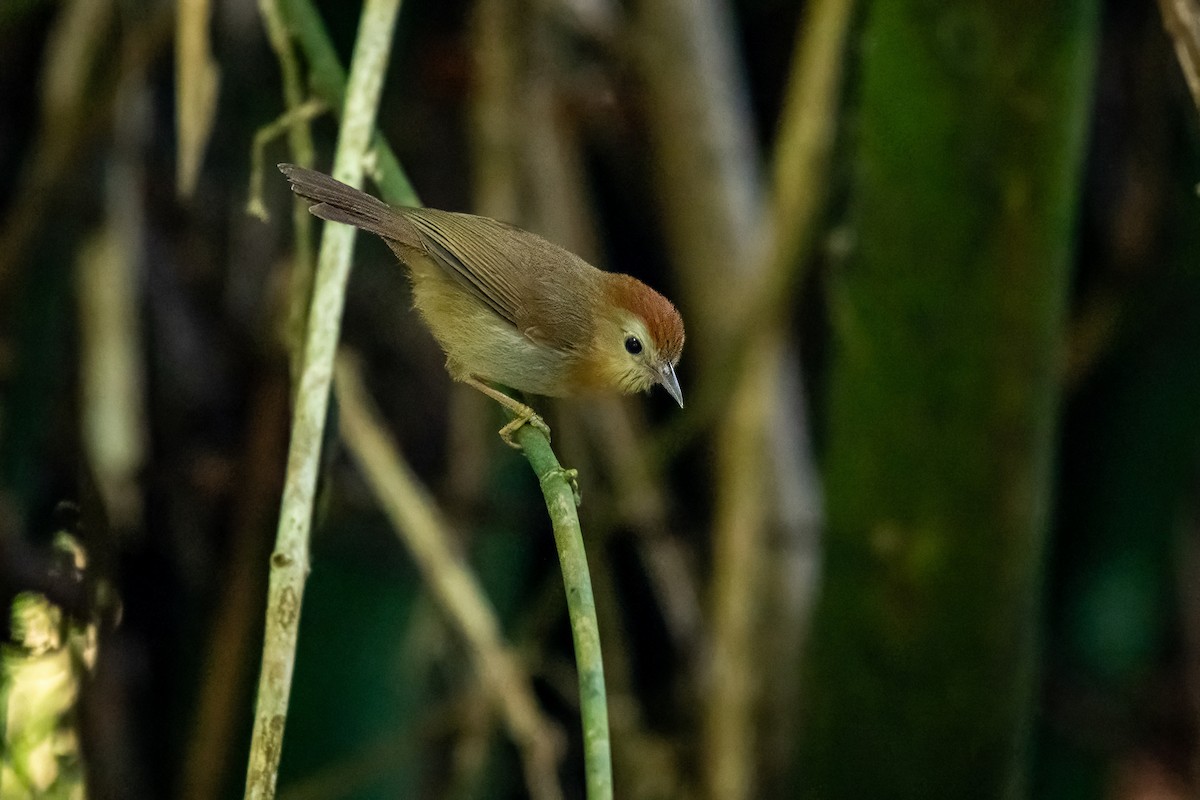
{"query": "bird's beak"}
pixel 671 383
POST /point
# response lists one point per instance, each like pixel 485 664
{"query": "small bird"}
pixel 510 308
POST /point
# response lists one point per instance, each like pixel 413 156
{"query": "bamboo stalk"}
pixel 289 562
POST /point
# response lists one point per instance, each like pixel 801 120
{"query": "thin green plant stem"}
pixel 289 562
pixel 423 530
pixel 300 144
pixel 327 78
pixel 560 498
pixel 328 82
pixel 264 136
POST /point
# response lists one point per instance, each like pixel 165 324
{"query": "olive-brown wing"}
pixel 536 285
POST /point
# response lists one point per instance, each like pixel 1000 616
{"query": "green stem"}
pixel 944 392
pixel 289 562
pixel 301 145
pixel 328 80
pixel 593 702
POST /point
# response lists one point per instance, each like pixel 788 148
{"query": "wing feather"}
pixel 539 287
pixel 466 246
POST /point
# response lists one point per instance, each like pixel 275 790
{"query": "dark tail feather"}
pixel 337 202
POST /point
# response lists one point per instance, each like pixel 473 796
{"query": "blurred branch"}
pixel 196 85
pixel 297 113
pixel 299 136
pixel 716 209
pixel 496 173
pixel 290 561
pixel 73 44
pixel 701 131
pixel 559 492
pixel 803 154
pixel 114 428
pixel 641 501
pixel 1181 18
pixel 800 166
pixel 113 424
pixel 730 739
pixel 712 206
pixel 264 136
pixel 415 518
pixel 328 79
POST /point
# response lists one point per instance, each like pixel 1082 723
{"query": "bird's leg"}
pixel 524 415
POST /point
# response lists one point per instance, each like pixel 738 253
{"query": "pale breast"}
pixel 479 343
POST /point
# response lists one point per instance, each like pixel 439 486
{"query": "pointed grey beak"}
pixel 671 384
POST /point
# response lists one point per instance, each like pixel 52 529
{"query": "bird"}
pixel 510 308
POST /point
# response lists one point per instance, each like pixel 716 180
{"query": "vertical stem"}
pixel 289 562
pixel 301 145
pixel 943 397
pixel 421 528
pixel 328 79
pixel 593 700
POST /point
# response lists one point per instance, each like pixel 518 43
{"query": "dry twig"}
pixel 716 223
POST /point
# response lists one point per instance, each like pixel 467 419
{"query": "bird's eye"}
pixel 632 345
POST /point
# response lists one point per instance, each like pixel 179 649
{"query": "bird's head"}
pixel 638 339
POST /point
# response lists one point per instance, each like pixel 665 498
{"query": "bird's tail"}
pixel 337 202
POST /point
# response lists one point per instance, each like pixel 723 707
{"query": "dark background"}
pixel 385 703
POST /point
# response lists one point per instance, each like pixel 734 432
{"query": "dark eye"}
pixel 632 345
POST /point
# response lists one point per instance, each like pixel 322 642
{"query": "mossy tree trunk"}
pixel 948 327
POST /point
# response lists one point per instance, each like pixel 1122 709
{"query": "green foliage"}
pixel 41 675
pixel 944 395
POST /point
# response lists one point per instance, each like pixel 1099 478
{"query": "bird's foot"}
pixel 526 416
pixel 522 414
